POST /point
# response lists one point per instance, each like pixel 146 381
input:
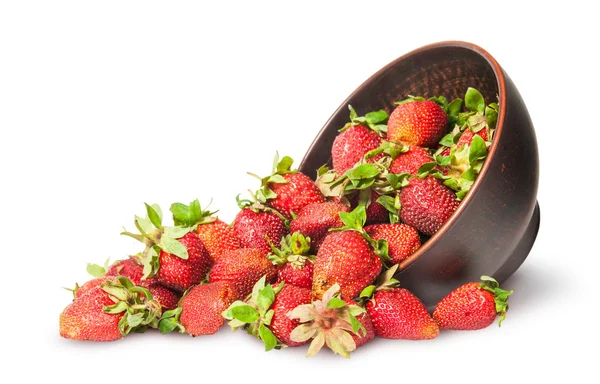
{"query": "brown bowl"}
pixel 495 226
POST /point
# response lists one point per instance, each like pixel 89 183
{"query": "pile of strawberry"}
pixel 310 261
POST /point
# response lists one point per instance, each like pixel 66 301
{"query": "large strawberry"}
pixel 174 256
pixel 417 121
pixel 242 268
pixel 258 226
pixel 360 136
pixel 331 322
pixel 287 190
pixel 294 261
pixel 472 306
pixel 109 311
pixel 397 313
pixel 315 221
pixel 402 240
pixel 347 257
pixel 199 311
pixel 410 161
pixel 217 236
pixel 264 314
pixel 427 204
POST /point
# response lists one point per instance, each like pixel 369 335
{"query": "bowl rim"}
pixel 500 79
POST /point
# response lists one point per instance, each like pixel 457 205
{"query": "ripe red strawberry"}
pixel 242 268
pixel 264 314
pixel 417 122
pixel 466 138
pixel 315 220
pixel 217 236
pixel 398 314
pixel 427 204
pixel 346 258
pixel 174 256
pixel 88 286
pixel 360 136
pixel 376 213
pixel 293 260
pixel 129 268
pixel 410 161
pixel 199 312
pixel 257 229
pixel 402 240
pixel 97 314
pixel 340 325
pixel 167 298
pixel 472 306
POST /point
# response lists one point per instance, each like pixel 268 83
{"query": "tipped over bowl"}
pixel 495 226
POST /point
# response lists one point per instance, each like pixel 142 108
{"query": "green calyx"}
pixel 169 321
pixel 355 221
pixel 256 206
pixel 390 148
pixel 191 215
pixel 96 270
pixel 139 307
pixel 375 120
pixel 385 281
pixel 294 249
pixel 255 314
pixel 500 296
pixel 157 238
pixel 330 321
pixel 280 168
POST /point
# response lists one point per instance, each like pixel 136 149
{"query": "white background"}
pixel 106 105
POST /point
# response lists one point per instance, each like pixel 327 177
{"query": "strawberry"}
pixel 427 204
pixel 331 322
pixel 264 314
pixel 466 138
pixel 417 121
pixel 472 306
pixel 199 311
pixel 376 213
pixel 167 298
pixel 286 190
pixel 109 311
pixel 257 226
pixel 88 286
pixel 242 268
pixel 410 161
pixel 294 264
pixel 402 240
pixel 129 268
pixel 216 236
pixel 315 220
pixel 174 256
pixel 347 257
pixel 360 136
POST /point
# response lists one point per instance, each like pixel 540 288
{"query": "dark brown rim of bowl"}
pixel 497 134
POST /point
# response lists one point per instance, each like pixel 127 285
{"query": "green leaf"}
pixel 398 181
pixel 167 325
pixel 260 284
pixel 469 175
pixel 376 117
pixel 154 215
pixel 265 298
pixel 447 140
pixel 364 171
pixel 95 270
pixel 368 291
pixel 356 326
pixel 353 114
pixel 176 232
pixel 277 179
pixel 355 219
pixel 491 116
pixel 269 317
pixel 172 246
pixel 454 107
pixel 322 170
pixel 267 337
pixel 476 123
pixel 336 303
pixel 285 165
pixel 144 225
pixel 461 194
pixel 388 203
pixel 244 313
pixel 474 100
pixel 443 160
pixel 477 150
pixel 426 168
pixel 227 314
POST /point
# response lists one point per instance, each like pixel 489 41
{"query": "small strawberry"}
pixel 167 298
pixel 109 311
pixel 402 240
pixel 427 204
pixel 174 256
pixel 199 311
pixel 417 121
pixel 356 139
pixel 286 190
pixel 376 213
pixel 293 260
pixel 315 220
pixel 257 226
pixel 466 138
pixel 331 322
pixel 217 236
pixel 397 313
pixel 347 257
pixel 242 268
pixel 410 161
pixel 129 268
pixel 264 314
pixel 472 306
